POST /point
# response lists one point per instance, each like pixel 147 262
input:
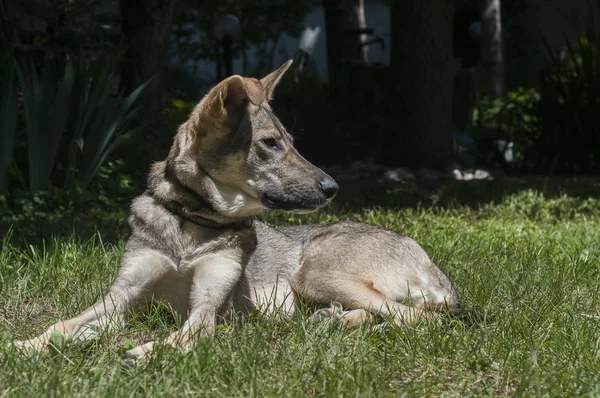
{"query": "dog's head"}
pixel 234 138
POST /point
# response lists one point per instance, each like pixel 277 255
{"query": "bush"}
pixel 511 118
pixel 571 105
pixel 73 115
pixel 558 129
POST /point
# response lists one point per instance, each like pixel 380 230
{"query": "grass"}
pixel 528 258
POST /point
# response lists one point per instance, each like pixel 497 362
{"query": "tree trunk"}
pixel 147 28
pixel 420 96
pixel 341 18
pixel 491 49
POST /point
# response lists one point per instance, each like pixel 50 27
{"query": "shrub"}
pixel 73 115
pixel 558 129
pixel 511 118
pixel 570 104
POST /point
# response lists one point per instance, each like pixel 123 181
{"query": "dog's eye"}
pixel 271 143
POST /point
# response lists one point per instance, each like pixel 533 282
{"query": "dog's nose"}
pixel 329 187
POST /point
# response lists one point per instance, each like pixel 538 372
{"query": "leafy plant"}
pixel 73 122
pixel 46 100
pixel 101 120
pixel 512 118
pixel 571 102
pixel 177 113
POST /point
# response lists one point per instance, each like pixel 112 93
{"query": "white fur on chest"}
pixel 236 203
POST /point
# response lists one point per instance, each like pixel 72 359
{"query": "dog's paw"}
pixel 334 313
pixel 336 308
pixel 130 362
pixel 133 356
pixel 321 315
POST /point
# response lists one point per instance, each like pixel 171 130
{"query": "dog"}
pixel 194 244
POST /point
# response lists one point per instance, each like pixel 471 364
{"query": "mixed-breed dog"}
pixel 194 244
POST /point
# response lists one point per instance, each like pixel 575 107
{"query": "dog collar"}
pixel 179 210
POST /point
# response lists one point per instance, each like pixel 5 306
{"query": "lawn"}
pixel 524 258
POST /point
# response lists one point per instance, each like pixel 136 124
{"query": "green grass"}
pixel 528 259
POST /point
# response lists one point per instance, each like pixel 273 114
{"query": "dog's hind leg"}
pixel 136 273
pixel 353 294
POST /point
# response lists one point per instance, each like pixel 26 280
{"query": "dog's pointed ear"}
pixel 213 114
pixel 233 93
pixel 236 90
pixel 270 81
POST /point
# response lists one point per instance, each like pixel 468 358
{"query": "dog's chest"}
pixel 195 242
pixel 193 235
pixel 193 238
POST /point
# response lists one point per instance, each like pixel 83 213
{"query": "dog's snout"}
pixel 329 187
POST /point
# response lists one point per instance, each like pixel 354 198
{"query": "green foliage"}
pixel 46 100
pixel 74 119
pixel 558 129
pixel 44 212
pixel 177 113
pixel 103 121
pixel 58 342
pixel 513 117
pixel 571 103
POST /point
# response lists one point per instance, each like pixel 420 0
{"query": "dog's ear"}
pixel 235 91
pixel 225 100
pixel 270 81
pixel 230 95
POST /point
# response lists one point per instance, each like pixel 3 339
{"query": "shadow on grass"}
pixel 452 194
pixel 84 220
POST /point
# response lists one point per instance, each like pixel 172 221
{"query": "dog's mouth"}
pixel 298 206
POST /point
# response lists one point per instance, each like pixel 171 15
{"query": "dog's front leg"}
pixel 108 311
pixel 137 272
pixel 214 279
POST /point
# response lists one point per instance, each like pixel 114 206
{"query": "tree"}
pixel 491 49
pixel 343 20
pixel 420 96
pixel 147 28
